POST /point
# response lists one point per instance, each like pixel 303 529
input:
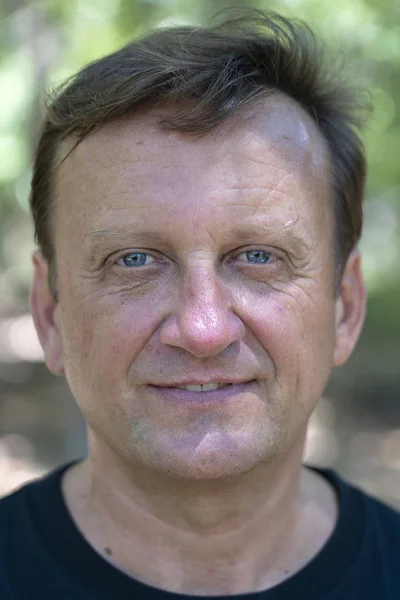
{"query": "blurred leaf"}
pixel 16 90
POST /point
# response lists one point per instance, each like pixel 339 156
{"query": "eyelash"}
pixel 274 255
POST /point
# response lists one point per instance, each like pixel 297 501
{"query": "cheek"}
pixel 299 340
pixel 274 326
pixel 293 331
pixel 106 335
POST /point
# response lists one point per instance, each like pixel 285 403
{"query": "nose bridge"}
pixel 204 322
pixel 202 296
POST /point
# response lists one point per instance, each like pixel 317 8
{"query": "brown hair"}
pixel 207 73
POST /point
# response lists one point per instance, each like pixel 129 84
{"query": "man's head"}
pixel 205 75
pixel 177 258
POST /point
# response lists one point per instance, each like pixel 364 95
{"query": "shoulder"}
pixel 14 538
pixel 18 508
pixel 15 518
pixel 376 508
pixel 28 517
pixel 385 517
pixel 13 501
pixel 374 516
pixel 381 523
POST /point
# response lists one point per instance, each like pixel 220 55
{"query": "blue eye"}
pixel 258 257
pixel 134 259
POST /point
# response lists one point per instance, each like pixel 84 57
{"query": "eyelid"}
pixel 274 252
pixel 120 256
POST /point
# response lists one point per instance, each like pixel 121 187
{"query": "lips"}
pixel 223 394
pixel 216 380
pixel 203 387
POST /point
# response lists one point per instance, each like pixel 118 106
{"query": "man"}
pixel 197 199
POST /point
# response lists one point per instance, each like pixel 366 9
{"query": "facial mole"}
pixel 108 551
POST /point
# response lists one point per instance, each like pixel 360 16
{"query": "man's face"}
pixel 183 260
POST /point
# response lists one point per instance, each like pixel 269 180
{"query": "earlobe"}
pixel 350 309
pixel 44 309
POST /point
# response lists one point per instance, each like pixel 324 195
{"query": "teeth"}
pixel 202 388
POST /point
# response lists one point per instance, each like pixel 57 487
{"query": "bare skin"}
pixel 205 499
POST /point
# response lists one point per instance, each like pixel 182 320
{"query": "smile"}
pixel 204 394
pixel 204 387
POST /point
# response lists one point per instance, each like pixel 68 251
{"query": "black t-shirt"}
pixel 44 556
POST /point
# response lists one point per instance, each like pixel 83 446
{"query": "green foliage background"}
pixel 42 43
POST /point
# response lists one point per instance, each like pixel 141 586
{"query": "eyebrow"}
pixel 97 237
pixel 260 232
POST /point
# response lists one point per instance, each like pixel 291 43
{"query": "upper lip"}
pixel 214 380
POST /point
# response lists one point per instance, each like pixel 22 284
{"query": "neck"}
pixel 214 537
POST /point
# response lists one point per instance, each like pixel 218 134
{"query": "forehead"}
pixel 265 150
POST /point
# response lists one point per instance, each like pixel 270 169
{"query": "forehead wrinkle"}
pixel 98 235
pixel 263 140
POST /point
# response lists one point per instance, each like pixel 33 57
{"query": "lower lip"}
pixel 223 394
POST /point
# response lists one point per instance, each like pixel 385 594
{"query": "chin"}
pixel 208 463
pixel 206 471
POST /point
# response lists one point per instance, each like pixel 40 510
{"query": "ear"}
pixel 44 312
pixel 350 309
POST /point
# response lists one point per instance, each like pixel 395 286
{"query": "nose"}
pixel 203 323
